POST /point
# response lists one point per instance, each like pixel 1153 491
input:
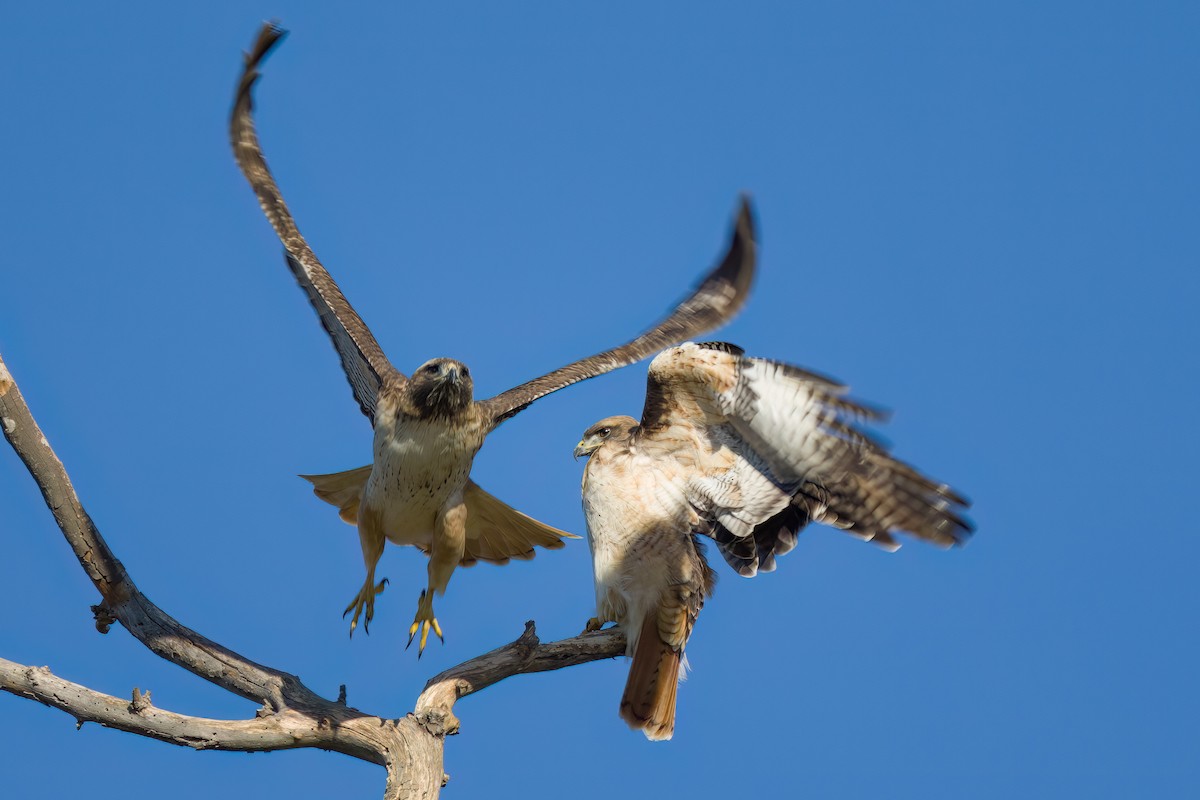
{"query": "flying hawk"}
pixel 747 452
pixel 428 428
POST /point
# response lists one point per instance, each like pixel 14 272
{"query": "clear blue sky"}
pixel 983 217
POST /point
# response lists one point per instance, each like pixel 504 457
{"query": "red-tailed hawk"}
pixel 747 452
pixel 428 428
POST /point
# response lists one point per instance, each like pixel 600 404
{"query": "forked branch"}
pixel 292 715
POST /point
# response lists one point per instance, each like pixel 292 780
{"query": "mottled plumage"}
pixel 428 428
pixel 747 452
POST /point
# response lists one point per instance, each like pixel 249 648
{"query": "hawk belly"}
pixel 420 466
pixel 639 529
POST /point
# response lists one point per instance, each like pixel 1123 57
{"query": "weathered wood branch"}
pixel 292 716
pixel 526 654
pixel 138 715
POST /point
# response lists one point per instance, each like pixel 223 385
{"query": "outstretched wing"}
pixel 363 360
pixel 782 446
pixel 714 302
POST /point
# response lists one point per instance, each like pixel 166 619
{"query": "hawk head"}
pixel 609 428
pixel 441 387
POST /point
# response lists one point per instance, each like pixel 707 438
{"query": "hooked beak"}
pixel 453 376
pixel 581 449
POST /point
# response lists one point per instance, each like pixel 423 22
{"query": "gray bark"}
pixel 292 715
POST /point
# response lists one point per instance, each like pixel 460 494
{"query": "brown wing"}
pixel 714 302
pixel 363 360
pixel 497 532
pixel 786 449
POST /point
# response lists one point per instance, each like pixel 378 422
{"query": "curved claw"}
pixel 594 624
pixel 365 599
pixel 424 621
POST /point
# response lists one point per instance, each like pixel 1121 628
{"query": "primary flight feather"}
pixel 745 451
pixel 429 427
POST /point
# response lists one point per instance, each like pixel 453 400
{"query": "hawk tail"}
pixel 648 703
pixel 496 532
pixel 342 489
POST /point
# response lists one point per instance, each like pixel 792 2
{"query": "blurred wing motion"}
pixel 713 303
pixel 748 452
pixel 363 360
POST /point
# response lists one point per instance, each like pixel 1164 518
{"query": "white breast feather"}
pixel 632 510
pixel 419 465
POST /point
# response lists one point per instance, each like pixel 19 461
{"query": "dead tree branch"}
pixel 140 716
pixel 292 715
pixel 524 655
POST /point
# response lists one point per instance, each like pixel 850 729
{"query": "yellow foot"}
pixel 593 624
pixel 424 621
pixel 365 599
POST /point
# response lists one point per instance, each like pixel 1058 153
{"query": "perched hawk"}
pixel 428 428
pixel 745 451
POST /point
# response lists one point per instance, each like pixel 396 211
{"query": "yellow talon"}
pixel 593 624
pixel 424 621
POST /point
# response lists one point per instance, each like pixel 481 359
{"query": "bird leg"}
pixel 424 621
pixel 596 623
pixel 370 536
pixel 445 553
pixel 365 599
pixel 609 606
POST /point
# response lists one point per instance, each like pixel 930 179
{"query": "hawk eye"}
pixel 466 372
pixel 431 369
pixel 605 431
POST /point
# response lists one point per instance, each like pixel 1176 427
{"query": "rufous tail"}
pixel 648 703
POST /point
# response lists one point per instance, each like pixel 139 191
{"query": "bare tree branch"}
pixel 269 732
pixel 410 748
pixel 524 655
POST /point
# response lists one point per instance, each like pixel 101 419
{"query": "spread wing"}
pixel 781 447
pixel 363 360
pixel 714 302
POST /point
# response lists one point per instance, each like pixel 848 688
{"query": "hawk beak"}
pixel 452 375
pixel 581 449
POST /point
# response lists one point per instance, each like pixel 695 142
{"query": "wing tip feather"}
pixel 269 36
pixel 739 264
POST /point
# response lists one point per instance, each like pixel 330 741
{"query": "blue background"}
pixel 983 216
